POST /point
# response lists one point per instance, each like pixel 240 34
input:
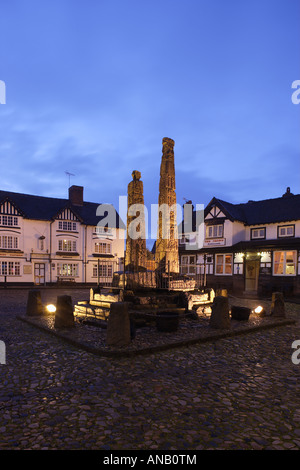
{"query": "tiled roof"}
pixel 47 208
pixel 282 209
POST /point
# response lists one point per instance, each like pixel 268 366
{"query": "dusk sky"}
pixel 93 86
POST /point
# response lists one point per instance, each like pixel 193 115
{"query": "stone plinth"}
pixel 118 325
pixel 220 313
pixel 34 303
pixel 222 292
pixel 64 316
pixel 277 305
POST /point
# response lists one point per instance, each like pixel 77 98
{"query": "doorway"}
pixel 39 274
pixel 251 275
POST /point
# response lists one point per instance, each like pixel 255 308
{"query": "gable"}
pixel 214 213
pixel 67 214
pixel 9 208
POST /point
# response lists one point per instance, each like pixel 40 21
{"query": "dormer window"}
pixel 258 233
pixel 286 231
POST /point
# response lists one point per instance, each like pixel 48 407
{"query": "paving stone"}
pixel 238 393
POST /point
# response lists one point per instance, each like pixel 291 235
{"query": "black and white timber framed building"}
pixel 47 240
pixel 252 247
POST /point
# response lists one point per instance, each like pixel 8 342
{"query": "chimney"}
pixel 76 195
pixel 288 192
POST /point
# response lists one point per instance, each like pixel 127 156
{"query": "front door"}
pixel 251 275
pixel 39 273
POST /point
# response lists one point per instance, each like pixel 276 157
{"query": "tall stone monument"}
pixel 166 252
pixel 136 252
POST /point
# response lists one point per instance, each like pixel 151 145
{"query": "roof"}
pixel 48 208
pixel 268 211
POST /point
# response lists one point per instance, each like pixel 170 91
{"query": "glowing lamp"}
pixel 258 309
pixel 51 308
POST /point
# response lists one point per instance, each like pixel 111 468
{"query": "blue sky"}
pixel 93 86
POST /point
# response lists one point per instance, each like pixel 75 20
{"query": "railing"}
pixel 159 278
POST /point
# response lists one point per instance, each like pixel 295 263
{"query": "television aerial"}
pixel 69 174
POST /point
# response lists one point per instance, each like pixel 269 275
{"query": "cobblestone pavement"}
pixel 236 393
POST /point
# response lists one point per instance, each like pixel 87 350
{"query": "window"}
pixel 103 270
pixel 8 242
pixel 286 231
pixel 8 220
pixel 103 230
pixel 67 269
pixel 188 264
pixel 67 245
pixel 214 231
pixel 224 264
pixel 103 248
pixel 258 233
pixel 10 268
pixel 284 263
pixel 67 225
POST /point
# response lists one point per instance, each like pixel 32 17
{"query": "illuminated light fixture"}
pixel 51 308
pixel 258 309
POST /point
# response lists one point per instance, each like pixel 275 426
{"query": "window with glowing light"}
pixel 67 245
pixel 67 270
pixel 285 263
pixel 224 264
pixel 103 248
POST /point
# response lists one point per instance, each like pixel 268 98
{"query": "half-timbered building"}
pixel 48 240
pixel 252 247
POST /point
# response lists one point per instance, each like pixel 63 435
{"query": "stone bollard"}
pixel 118 325
pixel 64 315
pixel 277 305
pixel 34 303
pixel 220 313
pixel 221 293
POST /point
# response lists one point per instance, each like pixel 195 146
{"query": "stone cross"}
pixel 166 251
pixel 136 251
